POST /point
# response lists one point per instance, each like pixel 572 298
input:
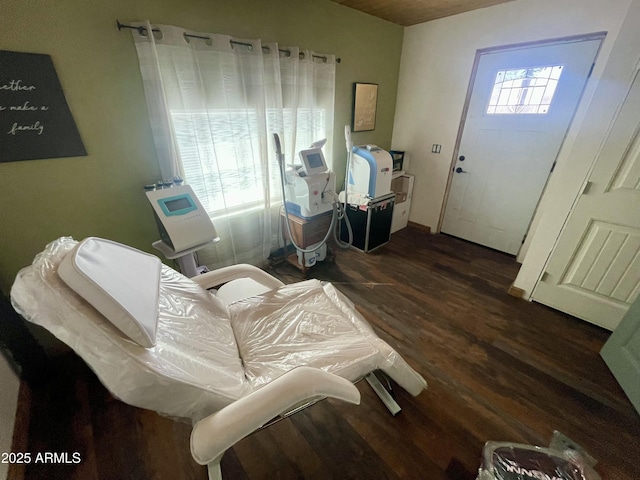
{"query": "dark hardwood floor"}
pixel 498 368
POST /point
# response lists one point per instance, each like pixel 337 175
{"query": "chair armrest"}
pixel 235 272
pixel 213 435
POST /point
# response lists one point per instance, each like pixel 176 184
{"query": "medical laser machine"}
pixel 308 191
pixel 311 185
pixel 370 199
pixel 371 171
pixel 183 223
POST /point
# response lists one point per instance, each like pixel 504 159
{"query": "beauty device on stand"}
pixel 308 192
pixel 184 226
pixel 369 197
pixel 310 186
pixel 371 171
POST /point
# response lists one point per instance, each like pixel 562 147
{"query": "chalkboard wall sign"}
pixel 35 120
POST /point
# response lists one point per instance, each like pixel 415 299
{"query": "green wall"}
pixel 101 194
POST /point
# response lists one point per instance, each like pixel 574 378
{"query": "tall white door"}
pixel 520 108
pixel 593 272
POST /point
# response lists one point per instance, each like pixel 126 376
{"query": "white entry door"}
pixel 593 272
pixel 520 108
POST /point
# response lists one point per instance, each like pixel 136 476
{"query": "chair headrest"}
pixel 122 283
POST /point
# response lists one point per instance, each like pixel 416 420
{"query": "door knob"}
pixel 460 170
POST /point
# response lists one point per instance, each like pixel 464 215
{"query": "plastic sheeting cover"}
pixel 512 461
pixel 194 368
pixel 312 324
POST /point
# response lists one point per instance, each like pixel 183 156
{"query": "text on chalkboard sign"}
pixel 35 120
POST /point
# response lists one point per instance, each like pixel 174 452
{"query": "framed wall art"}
pixel 365 102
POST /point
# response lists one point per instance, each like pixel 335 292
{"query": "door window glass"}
pixel 524 90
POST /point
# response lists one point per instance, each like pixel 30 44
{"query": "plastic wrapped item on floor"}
pixel 513 461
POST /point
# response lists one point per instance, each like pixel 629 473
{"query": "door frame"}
pixel 472 79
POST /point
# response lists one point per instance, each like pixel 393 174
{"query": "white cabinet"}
pixel 402 186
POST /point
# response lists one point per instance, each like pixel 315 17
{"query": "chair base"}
pixel 215 473
pixel 383 393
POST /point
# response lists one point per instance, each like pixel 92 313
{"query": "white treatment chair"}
pixel 229 361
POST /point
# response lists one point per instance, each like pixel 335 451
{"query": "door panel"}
pixel 621 353
pixel 594 270
pixel 505 159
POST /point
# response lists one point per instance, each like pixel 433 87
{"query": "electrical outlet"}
pixel 436 148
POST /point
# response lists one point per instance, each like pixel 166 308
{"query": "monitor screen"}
pixel 315 160
pixel 178 204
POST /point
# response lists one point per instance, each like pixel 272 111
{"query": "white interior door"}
pixel 520 108
pixel 621 353
pixel 593 272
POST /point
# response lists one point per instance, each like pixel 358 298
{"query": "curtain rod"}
pixel 142 31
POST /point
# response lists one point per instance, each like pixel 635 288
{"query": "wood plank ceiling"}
pixel 412 12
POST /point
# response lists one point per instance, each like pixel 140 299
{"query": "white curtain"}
pixel 214 103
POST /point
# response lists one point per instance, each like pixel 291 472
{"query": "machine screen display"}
pixel 178 204
pixel 315 160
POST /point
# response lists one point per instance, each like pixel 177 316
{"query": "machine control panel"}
pixel 182 220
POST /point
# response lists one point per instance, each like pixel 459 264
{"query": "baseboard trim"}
pixel 515 292
pixel 417 226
